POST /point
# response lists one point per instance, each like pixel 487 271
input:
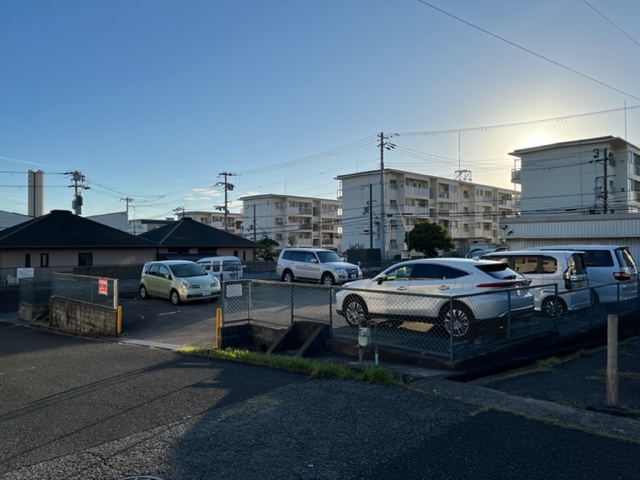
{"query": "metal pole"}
pixel 371 216
pixel 382 217
pixel 612 360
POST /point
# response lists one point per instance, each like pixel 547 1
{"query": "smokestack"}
pixel 35 192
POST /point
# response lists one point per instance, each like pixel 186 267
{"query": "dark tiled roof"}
pixel 62 229
pixel 189 233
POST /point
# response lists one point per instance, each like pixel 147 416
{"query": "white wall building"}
pixel 467 210
pixel 293 220
pixel 595 175
pixel 216 219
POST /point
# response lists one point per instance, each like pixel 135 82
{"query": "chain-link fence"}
pixel 446 326
pixel 35 292
pixel 94 290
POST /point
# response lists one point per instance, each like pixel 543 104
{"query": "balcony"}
pixel 416 192
pixel 515 176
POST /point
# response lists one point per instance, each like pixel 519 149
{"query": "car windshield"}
pixel 187 270
pixel 328 256
pixel 231 265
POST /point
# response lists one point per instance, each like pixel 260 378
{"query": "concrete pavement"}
pixel 77 408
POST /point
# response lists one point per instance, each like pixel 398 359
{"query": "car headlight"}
pixel 184 283
pixel 341 271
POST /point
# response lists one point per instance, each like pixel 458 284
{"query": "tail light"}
pixel 621 276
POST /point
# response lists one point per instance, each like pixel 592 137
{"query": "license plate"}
pixel 206 293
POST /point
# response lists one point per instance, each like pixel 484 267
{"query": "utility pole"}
pixel 177 210
pixel 371 216
pixel 127 200
pixel 227 186
pixel 607 157
pixel 254 223
pixel 384 144
pixel 78 183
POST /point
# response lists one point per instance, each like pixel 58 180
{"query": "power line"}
pixel 513 44
pixel 611 22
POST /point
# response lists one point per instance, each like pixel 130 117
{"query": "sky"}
pixel 152 100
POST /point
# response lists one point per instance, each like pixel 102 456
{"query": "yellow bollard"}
pixel 218 327
pixel 119 320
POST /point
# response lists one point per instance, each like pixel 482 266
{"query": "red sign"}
pixel 103 286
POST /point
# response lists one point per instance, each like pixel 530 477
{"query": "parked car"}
pixel 482 290
pixel 559 271
pixel 612 271
pixel 315 265
pixel 224 268
pixel 179 281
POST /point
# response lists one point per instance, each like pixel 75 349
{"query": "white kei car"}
pixel 454 292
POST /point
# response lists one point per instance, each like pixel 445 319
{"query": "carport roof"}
pixel 186 232
pixel 61 229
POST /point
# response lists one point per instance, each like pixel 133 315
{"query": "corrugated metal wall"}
pixel 624 229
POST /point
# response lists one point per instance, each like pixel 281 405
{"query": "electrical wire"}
pixel 531 52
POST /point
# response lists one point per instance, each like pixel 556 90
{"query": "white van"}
pixel 224 268
pixel 613 274
pixel 563 268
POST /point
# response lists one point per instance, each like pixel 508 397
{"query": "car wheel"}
pixel 287 276
pixel 327 279
pixel 175 297
pixel 355 311
pixel 457 319
pixel 554 307
pixel 143 292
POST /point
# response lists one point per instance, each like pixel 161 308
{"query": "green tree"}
pixel 268 250
pixel 428 238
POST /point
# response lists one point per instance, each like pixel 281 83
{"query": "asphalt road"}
pixel 74 408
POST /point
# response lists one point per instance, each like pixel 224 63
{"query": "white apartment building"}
pixel 216 219
pixel 470 212
pixel 292 220
pixel 591 176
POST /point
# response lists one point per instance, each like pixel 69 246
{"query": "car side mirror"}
pixel 381 279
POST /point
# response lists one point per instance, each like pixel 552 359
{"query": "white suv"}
pixel 315 265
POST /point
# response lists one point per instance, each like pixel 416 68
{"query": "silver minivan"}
pixel 563 270
pixel 613 274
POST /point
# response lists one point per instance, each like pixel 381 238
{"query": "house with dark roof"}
pixel 61 241
pixel 187 239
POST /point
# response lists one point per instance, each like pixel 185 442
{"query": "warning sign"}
pixel 103 286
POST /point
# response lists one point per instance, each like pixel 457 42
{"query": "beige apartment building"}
pixel 470 212
pixel 293 220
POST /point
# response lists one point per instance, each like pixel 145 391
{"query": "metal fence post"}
pixel 612 360
pixel 292 306
pixel 451 356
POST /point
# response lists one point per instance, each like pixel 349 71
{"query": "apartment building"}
pixel 379 217
pixel 216 219
pixel 293 220
pixel 590 176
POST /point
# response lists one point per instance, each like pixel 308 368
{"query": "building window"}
pixel 44 259
pixel 85 259
pixel 27 260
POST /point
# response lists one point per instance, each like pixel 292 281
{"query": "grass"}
pixel 546 364
pixel 314 368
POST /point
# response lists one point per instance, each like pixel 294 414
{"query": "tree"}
pixel 428 238
pixel 268 250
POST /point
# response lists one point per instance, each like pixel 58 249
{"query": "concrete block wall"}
pixel 82 318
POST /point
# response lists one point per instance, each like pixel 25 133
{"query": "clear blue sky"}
pixel 152 99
